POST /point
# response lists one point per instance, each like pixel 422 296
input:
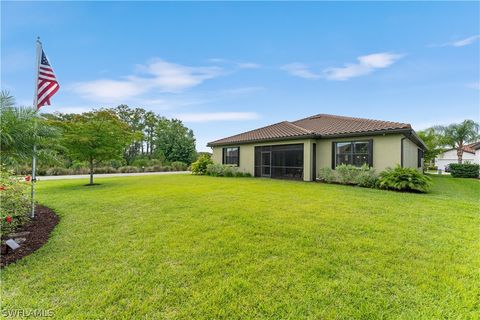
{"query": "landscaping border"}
pixel 33 234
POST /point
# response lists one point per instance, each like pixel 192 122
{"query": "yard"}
pixel 187 247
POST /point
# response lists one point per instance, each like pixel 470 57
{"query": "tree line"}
pixel 121 136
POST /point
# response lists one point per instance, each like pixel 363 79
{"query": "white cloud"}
pixel 248 65
pixel 465 42
pixel 366 64
pixel 300 70
pixel 458 43
pixel 217 116
pixel 158 75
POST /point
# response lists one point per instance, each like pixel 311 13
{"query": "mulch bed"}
pixel 39 231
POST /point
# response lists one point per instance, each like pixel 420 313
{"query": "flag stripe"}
pixel 47 84
pixel 49 92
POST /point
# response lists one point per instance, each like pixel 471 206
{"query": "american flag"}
pixel 47 84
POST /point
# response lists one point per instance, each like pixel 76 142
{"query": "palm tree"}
pixel 19 132
pixel 457 135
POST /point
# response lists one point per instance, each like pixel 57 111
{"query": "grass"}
pixel 183 247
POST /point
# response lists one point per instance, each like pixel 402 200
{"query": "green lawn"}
pixel 184 247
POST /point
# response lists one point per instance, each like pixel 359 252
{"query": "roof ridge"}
pixel 299 127
pixel 349 118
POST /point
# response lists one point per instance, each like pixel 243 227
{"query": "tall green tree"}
pixel 457 135
pixel 95 137
pixel 20 129
pixel 174 141
pixel 135 118
pixel 433 141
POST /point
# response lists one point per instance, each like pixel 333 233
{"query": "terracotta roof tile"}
pixel 325 125
pixel 318 125
pixel 471 147
pixel 282 129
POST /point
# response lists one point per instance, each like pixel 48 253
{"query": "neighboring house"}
pixel 471 154
pixel 296 150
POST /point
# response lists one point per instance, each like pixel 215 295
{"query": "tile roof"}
pixel 326 125
pixel 279 130
pixel 471 147
pixel 315 126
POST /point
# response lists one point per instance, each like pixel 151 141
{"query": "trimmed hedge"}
pixel 464 170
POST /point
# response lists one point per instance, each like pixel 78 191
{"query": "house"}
pixel 471 154
pixel 297 149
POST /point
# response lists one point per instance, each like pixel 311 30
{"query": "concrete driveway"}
pixel 108 175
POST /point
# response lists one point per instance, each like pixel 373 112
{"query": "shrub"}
pixel 128 169
pixel 58 171
pixel 141 162
pixel 179 166
pixel 464 170
pixel 214 169
pixel 105 170
pixel 242 174
pixel 326 175
pixel 81 171
pixel 404 179
pixel 366 177
pixel 221 170
pixel 346 174
pixel 117 163
pixel 15 202
pixel 229 171
pixel 200 166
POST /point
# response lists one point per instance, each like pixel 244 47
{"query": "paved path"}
pixel 108 175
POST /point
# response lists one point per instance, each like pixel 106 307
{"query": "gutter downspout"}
pixel 401 151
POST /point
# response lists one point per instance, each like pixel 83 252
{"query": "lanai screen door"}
pixel 280 161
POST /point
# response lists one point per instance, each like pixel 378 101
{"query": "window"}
pixel 231 156
pixel 419 158
pixel 356 153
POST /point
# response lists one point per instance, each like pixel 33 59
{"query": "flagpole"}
pixel 35 105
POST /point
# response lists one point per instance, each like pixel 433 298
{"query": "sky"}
pixel 224 68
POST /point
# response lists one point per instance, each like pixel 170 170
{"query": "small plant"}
pixel 464 170
pixel 14 199
pixel 326 175
pixel 404 179
pixel 200 166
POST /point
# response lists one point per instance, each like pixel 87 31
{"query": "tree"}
pixel 135 118
pixel 433 141
pixel 96 136
pixel 456 135
pixel 20 129
pixel 174 141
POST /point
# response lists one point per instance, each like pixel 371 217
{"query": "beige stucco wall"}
pixel 247 155
pixel 410 154
pixel 386 153
pixel 386 150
